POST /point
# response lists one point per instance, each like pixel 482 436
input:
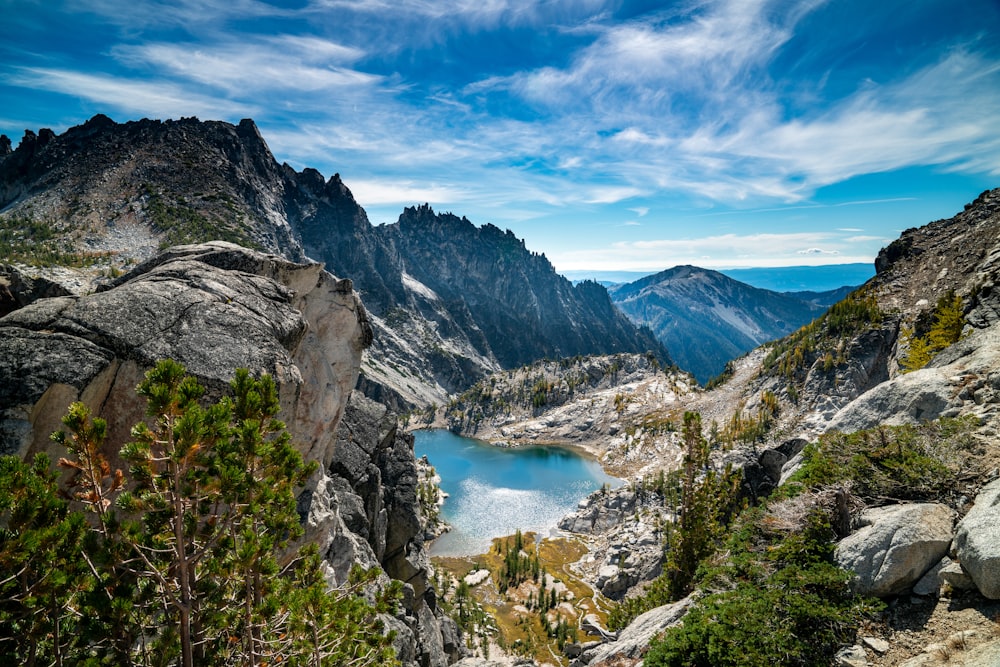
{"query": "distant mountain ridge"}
pixel 706 318
pixel 449 301
pixel 775 278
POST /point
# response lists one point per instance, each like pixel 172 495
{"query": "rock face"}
pixel 896 546
pixel 977 541
pixel 450 301
pixel 18 289
pixel 848 373
pixel 216 307
pixel 706 318
pixel 633 642
pixel 624 542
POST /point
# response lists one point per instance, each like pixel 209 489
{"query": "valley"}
pixel 849 455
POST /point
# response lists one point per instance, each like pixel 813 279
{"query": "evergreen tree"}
pixel 41 569
pixel 186 563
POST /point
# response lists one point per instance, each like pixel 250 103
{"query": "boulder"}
pixel 955 576
pixel 977 541
pixel 633 641
pixel 896 546
pixel 851 656
pixel 18 288
pixel 930 583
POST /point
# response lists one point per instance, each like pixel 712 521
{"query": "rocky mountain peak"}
pixel 117 193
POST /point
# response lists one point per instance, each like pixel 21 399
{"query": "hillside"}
pixel 448 299
pixel 881 416
pixel 706 319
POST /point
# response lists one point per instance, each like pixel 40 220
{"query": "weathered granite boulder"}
pixel 962 379
pixel 977 541
pixel 213 307
pixel 18 288
pixel 851 656
pixel 896 546
pixel 633 641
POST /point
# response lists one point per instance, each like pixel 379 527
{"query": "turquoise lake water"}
pixel 495 491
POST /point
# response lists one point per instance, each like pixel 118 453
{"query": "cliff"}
pixel 216 307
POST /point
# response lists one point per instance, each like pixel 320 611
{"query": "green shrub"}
pixel 783 603
pixel 906 462
pixel 948 320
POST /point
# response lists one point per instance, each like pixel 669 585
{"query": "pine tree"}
pixel 706 496
pixel 184 569
pixel 41 571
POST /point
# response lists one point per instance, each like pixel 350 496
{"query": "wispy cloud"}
pixel 720 251
pixel 404 193
pixel 241 69
pixel 514 110
pixel 132 96
pixel 190 14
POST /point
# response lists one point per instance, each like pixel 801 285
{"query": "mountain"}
pixel 856 367
pixel 706 319
pixel 449 301
pixel 774 278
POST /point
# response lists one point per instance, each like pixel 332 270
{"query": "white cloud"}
pixel 640 211
pixel 479 13
pixel 371 192
pixel 144 98
pixel 132 15
pixel 610 194
pixel 719 251
pixel 301 64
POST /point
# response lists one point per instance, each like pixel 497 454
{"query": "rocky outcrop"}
pixel 964 379
pixel 895 546
pixel 633 642
pixel 847 372
pixel 216 307
pixel 18 288
pixel 977 541
pixel 625 544
pixel 374 521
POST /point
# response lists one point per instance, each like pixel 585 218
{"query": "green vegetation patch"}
pixel 825 336
pixel 782 602
pixel 182 223
pixel 177 561
pixel 947 322
pixel 919 463
pixel 39 243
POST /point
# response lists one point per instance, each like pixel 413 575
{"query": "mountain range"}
pixel 449 301
pixel 443 301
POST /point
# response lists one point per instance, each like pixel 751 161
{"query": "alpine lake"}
pixel 493 492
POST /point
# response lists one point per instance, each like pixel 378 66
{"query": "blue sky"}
pixel 609 135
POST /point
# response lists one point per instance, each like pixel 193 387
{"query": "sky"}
pixel 610 135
